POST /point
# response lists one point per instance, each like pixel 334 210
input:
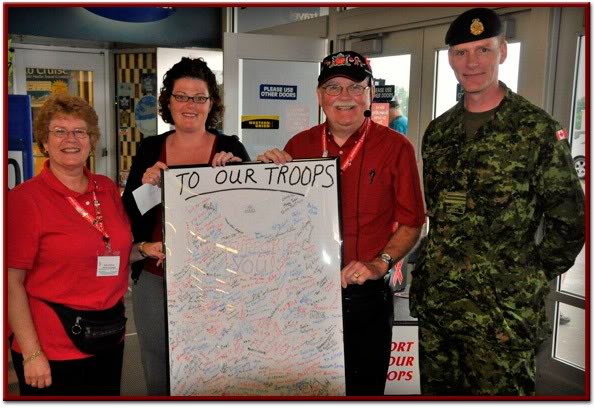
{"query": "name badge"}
pixel 455 202
pixel 108 266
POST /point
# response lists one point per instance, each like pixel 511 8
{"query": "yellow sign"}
pixel 261 122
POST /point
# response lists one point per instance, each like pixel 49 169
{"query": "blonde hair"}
pixel 62 104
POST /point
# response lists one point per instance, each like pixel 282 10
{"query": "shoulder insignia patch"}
pixel 562 135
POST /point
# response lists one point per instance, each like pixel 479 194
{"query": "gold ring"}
pixel 356 275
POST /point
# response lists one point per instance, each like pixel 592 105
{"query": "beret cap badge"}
pixel 476 27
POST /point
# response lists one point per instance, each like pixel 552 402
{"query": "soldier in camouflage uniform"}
pixel 495 168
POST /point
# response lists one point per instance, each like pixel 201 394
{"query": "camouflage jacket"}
pixel 484 273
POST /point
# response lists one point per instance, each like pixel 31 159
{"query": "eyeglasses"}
pixel 77 133
pixel 195 99
pixel 353 90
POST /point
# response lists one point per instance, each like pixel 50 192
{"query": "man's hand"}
pixel 358 272
pixel 275 155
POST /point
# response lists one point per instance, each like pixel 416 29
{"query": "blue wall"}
pixel 185 27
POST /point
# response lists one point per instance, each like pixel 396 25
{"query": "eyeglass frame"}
pixel 186 98
pixel 349 89
pixel 79 136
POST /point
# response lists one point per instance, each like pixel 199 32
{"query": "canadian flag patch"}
pixel 562 135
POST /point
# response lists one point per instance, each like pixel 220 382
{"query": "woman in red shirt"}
pixel 69 242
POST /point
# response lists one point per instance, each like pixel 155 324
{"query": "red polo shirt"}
pixel 379 189
pixel 49 239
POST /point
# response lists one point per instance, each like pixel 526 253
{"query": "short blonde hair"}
pixel 62 104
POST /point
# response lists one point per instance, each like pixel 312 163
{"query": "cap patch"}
pixel 476 27
pixel 345 63
pixel 343 60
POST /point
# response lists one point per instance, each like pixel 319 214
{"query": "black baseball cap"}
pixel 345 63
pixel 474 25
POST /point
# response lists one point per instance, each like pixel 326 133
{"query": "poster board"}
pixel 252 279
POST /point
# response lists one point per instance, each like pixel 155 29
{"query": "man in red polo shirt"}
pixel 381 208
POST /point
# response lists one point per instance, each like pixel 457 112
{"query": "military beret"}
pixel 473 25
pixel 346 63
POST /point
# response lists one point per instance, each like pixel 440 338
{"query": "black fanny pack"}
pixel 93 332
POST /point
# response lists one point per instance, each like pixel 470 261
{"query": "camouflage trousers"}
pixel 463 365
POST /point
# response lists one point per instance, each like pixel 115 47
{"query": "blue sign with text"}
pixel 283 92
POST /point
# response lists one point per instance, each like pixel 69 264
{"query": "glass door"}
pixel 41 71
pixel 570 319
pixel 399 65
pixel 273 87
pixel 564 359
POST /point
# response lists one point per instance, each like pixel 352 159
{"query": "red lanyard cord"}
pixel 96 222
pixel 354 151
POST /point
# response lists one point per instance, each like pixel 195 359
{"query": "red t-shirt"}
pixel 379 189
pixel 58 249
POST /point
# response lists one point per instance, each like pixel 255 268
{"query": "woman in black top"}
pixel 189 100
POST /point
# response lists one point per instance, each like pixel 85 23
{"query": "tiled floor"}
pixel 133 378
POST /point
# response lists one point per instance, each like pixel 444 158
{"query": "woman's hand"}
pixel 36 365
pixel 221 158
pixel 37 372
pixel 153 174
pixel 154 250
pixel 275 155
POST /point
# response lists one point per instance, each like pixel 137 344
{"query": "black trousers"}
pixel 98 375
pixel 367 323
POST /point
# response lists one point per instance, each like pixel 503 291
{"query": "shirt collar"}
pixel 54 183
pixel 460 106
pixel 351 139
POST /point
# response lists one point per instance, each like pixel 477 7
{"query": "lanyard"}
pixel 96 222
pixel 354 151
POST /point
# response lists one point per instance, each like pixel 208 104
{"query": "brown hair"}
pixel 194 69
pixel 62 104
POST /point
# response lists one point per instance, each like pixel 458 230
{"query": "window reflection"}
pixel 570 338
pixel 573 281
pixel 395 70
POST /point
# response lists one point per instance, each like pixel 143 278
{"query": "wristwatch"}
pixel 385 257
pixel 141 247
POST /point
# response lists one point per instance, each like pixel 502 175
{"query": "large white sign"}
pixel 253 280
